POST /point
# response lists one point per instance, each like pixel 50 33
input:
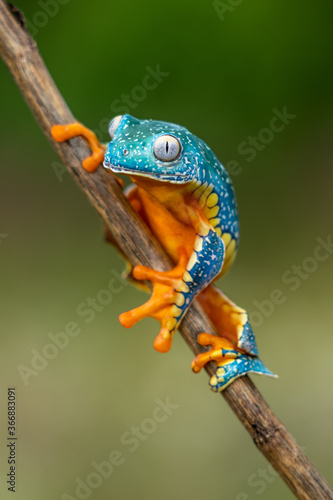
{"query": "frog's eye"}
pixel 113 125
pixel 167 148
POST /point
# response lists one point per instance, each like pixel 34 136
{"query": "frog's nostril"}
pixel 125 152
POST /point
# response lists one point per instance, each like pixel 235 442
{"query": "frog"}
pixel 184 194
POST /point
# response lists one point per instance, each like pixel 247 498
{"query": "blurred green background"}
pixel 227 69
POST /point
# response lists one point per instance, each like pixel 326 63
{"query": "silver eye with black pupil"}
pixel 166 148
pixel 113 125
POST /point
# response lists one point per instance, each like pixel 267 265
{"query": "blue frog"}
pixel 185 196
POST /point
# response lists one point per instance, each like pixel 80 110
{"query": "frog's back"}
pixel 214 190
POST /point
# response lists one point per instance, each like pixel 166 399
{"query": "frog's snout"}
pixel 115 157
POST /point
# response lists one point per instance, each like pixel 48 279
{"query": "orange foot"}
pixel 62 133
pixel 162 304
pixel 222 351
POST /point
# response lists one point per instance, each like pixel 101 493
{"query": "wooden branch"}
pixel 21 55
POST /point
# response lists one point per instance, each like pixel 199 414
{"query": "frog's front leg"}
pixel 173 291
pixel 62 133
pixel 160 305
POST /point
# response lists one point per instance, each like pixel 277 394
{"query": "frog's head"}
pixel 155 149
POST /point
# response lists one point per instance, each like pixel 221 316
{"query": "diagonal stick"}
pixel 21 55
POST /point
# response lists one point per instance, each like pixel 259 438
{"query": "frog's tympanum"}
pixel 185 196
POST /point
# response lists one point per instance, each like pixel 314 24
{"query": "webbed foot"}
pixel 164 302
pixel 231 363
pixel 63 133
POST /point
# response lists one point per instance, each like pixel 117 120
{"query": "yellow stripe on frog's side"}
pixel 226 237
pixel 230 251
pixel 210 213
pixel 193 188
pixel 209 202
pixel 203 193
pixel 192 261
pixel 212 208
pixel 180 299
pixel 183 288
pixel 212 200
pixel 187 277
pixel 229 262
pixel 176 311
pixel 215 222
pixel 204 196
pixel 199 191
pixel 171 323
pixel 198 244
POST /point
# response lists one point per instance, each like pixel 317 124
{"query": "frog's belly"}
pixel 173 233
pixel 169 231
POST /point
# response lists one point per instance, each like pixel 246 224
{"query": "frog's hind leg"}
pixel 232 322
pixel 222 350
pixel 173 291
pixel 234 350
pixel 231 363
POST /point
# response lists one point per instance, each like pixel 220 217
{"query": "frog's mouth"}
pixel 179 178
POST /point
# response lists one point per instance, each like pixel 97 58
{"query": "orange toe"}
pixel 127 319
pixel 162 303
pixel 59 133
pixel 163 341
pixel 92 163
pixel 195 367
pixel 63 133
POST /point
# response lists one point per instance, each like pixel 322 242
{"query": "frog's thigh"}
pixel 227 317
